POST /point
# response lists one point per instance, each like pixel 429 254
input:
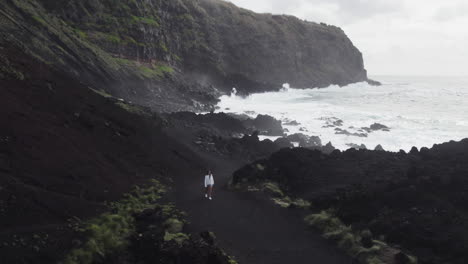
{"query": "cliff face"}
pixel 269 50
pixel 153 52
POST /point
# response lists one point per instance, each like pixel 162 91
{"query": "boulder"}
pixel 377 126
pixel 379 148
pixel 366 239
pixel 328 148
pixel 283 142
pixel 266 125
pixel 356 146
pixel 305 141
pixel 414 151
pixel 208 237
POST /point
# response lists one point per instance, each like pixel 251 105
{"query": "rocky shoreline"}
pixel 358 184
pixel 98 100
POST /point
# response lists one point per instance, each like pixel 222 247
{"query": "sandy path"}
pixel 248 226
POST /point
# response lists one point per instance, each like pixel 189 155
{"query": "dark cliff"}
pixel 174 55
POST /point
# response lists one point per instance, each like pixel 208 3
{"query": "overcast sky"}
pixel 396 37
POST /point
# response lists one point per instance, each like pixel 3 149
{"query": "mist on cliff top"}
pixel 400 37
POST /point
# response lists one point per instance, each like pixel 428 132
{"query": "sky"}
pixel 396 37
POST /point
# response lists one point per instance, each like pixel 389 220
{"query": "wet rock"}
pixel 305 141
pixel 332 122
pixel 291 123
pixel 373 82
pixel 356 146
pixel 241 117
pixel 340 131
pixel 379 148
pixel 338 122
pixel 266 125
pixel 376 127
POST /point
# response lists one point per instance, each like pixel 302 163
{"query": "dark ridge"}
pixel 416 200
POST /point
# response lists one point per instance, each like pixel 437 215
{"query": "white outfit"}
pixel 209 180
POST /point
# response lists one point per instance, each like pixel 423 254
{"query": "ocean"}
pixel 418 111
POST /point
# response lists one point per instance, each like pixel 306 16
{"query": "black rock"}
pixel 328 148
pixel 377 126
pixel 356 146
pixel 291 123
pixel 340 131
pixel 379 148
pixel 305 141
pixel 412 199
pixel 266 125
pixel 366 239
pixel 283 142
pixel 414 150
pixel 208 237
pixel 373 82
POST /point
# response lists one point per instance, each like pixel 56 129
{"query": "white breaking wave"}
pixel 419 111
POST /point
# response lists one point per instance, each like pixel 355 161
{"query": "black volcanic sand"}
pixel 248 225
pixel 64 150
pixel 416 200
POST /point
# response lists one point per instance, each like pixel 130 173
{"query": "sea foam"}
pixel 418 111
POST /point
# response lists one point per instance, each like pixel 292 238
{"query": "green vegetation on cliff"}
pixel 110 231
pixel 359 245
pixel 181 50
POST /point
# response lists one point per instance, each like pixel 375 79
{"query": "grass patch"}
pixel 173 225
pixel 80 33
pixel 102 93
pixel 300 203
pixel 156 71
pixel 145 71
pixel 107 37
pixel 272 189
pixel 39 20
pixel 350 241
pixel 145 20
pixel 134 109
pixel 177 58
pixel 163 46
pixel 179 238
pixel 333 229
pixel 283 202
pixel 108 233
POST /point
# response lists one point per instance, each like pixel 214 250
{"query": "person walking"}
pixel 209 182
